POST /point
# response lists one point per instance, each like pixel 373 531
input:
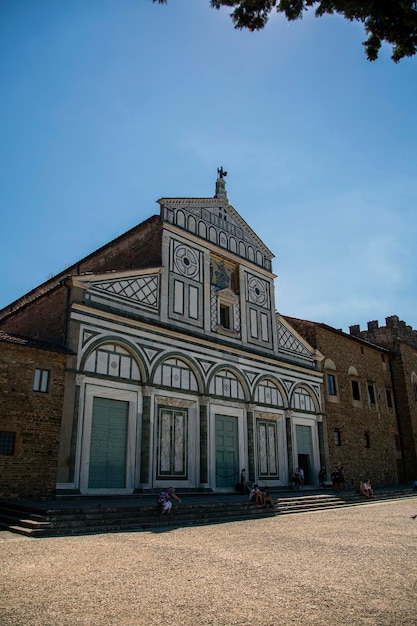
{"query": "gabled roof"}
pixel 32 343
pixel 79 268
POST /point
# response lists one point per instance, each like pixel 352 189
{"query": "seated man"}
pixel 256 495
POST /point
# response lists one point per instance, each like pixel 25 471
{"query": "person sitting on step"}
pixel 164 500
pixel 367 487
pixel 256 495
pixel 266 497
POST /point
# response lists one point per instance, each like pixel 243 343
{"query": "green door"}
pixel 108 446
pixel 305 452
pixel 227 452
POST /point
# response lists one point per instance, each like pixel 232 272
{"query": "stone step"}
pixel 60 521
pixel 102 520
pixel 97 525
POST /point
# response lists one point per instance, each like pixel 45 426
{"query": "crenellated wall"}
pixel 401 340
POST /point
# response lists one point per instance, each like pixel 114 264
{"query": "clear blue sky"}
pixel 108 105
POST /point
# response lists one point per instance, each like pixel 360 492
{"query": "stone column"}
pixel 146 437
pixel 251 443
pixel 204 440
pixel 290 447
pixel 323 444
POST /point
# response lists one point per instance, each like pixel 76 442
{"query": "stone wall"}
pixel 43 318
pixel 368 432
pixel 401 340
pixel 395 331
pixel 34 417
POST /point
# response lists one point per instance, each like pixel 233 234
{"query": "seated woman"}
pixel 364 489
pixel 368 489
pixel 164 500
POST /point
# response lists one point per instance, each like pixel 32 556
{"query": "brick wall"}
pixel 35 417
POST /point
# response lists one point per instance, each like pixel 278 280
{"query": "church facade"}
pixel 181 372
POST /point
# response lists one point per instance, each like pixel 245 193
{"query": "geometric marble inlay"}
pixel 87 335
pixel 205 365
pixel 251 375
pixel 143 289
pixel 151 353
pixel 287 341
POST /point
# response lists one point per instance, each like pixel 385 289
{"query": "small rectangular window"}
pixel 331 385
pixel 7 442
pixel 389 398
pixel 337 438
pixel 355 390
pixel 41 381
pixel 371 394
pixel 367 440
pixel 225 317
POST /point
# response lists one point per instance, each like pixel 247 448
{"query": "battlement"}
pixel 394 331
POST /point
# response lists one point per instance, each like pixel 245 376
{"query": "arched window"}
pixel 225 384
pixel 302 401
pixel 177 374
pixel 112 360
pixel 180 219
pixel 355 385
pixel 192 224
pixel 331 380
pixel 202 230
pixel 268 393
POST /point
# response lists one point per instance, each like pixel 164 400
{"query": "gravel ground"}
pixel 347 567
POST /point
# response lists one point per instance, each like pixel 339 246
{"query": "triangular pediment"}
pixel 216 220
pixel 227 296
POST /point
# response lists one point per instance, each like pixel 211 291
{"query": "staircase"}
pixel 53 522
pixel 59 519
pixel 318 502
